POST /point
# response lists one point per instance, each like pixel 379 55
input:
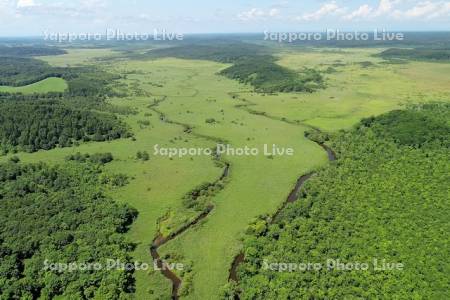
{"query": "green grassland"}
pixel 77 57
pixel 157 185
pixel 257 185
pixel 354 91
pixel 51 84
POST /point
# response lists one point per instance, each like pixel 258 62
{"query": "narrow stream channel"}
pixel 161 240
pixel 292 197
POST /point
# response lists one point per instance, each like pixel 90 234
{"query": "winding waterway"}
pixel 292 197
pixel 160 240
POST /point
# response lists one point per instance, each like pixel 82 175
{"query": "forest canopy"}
pixel 82 81
pixel 29 51
pixel 413 127
pixel 31 122
pixel 417 54
pixel 17 71
pixel 227 52
pixel 386 198
pixel 252 64
pixel 31 126
pixel 265 75
pixel 60 215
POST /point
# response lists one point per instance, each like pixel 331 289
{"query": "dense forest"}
pixel 417 54
pixel 45 121
pixel 252 64
pixel 386 198
pixel 82 81
pixel 59 215
pixel 226 52
pixel 90 81
pixel 19 71
pixel 265 75
pixel 30 50
pixel 31 126
pixel 414 127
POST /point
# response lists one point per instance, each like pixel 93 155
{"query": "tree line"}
pixel 29 51
pixel 265 75
pixel 386 198
pixel 439 54
pixel 252 64
pixel 82 81
pixel 31 126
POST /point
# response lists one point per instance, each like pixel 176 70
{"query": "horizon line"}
pixel 260 32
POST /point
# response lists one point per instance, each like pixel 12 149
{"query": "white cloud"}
pixel 364 11
pixel 388 9
pixel 274 12
pixel 26 3
pixel 258 14
pixel 385 8
pixel 93 4
pixel 425 10
pixel 327 9
pixel 422 9
pixel 86 9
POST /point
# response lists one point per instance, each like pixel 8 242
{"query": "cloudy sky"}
pixel 33 17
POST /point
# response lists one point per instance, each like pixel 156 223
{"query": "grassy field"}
pixel 52 84
pixel 157 186
pixel 354 91
pixel 257 184
pixel 76 57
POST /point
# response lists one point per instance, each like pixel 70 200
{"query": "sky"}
pixel 34 17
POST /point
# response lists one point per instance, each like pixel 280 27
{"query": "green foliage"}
pixel 48 85
pixel 118 180
pixel 61 215
pixel 229 291
pixel 32 126
pixel 199 197
pixel 142 155
pixel 16 71
pixel 144 123
pixel 82 81
pixel 89 81
pixel 252 64
pixel 14 159
pixel 381 200
pixel 317 136
pixel 44 121
pixel 417 54
pixel 366 64
pixel 414 127
pixel 96 158
pixel 227 52
pixel 266 76
pixel 29 51
pixel 257 227
pixel 330 70
pixel 6 96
